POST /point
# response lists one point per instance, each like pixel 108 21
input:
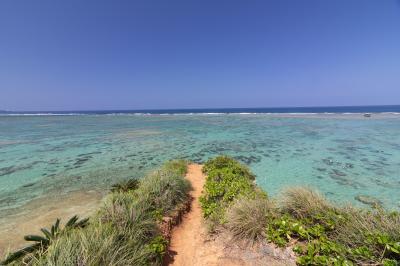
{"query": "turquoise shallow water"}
pixel 344 156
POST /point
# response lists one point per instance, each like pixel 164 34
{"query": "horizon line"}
pixel 202 108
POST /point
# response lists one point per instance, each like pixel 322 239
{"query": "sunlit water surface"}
pixel 343 156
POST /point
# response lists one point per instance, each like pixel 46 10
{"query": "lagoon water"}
pixel 342 155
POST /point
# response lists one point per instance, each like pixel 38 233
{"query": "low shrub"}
pixel 325 234
pixel 226 181
pixel 336 235
pixel 223 162
pixel 179 167
pixel 370 234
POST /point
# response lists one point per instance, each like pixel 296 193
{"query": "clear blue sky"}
pixel 79 55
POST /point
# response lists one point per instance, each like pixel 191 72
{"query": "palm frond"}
pixel 71 222
pixel 43 242
pixel 20 253
pixel 36 238
pixel 47 233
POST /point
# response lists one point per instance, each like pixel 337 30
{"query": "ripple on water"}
pixel 341 157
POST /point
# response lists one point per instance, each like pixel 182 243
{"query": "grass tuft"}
pixel 162 190
pixel 248 217
pixel 376 230
pixel 302 202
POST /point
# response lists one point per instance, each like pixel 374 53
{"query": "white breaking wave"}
pixel 196 114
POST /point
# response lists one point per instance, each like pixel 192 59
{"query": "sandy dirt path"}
pixel 191 245
pixel 188 238
pixel 190 241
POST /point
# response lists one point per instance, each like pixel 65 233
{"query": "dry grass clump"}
pixel 363 236
pixel 247 218
pixel 376 229
pixel 368 222
pixel 302 202
pixel 162 190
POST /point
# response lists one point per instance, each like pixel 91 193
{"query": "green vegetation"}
pixel 226 181
pixel 125 186
pixel 246 218
pixel 29 253
pixel 125 231
pixel 319 232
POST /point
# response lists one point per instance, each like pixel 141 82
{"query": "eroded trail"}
pixel 191 245
pixel 188 238
pixel 190 242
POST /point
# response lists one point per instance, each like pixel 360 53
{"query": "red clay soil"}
pixel 191 245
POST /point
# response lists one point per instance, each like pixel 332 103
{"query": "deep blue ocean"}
pixel 329 109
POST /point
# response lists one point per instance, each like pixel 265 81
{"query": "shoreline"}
pixel 43 212
pixel 230 220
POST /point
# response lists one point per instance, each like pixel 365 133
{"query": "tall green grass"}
pixel 125 230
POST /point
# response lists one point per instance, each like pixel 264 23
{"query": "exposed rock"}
pixel 369 200
pixel 28 185
pixel 338 173
pixel 175 218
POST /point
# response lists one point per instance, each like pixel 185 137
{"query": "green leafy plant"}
pixel 158 246
pixel 322 252
pixel 325 234
pixel 226 181
pixel 158 214
pixel 177 166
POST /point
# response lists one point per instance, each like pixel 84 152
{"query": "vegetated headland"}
pixel 138 218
